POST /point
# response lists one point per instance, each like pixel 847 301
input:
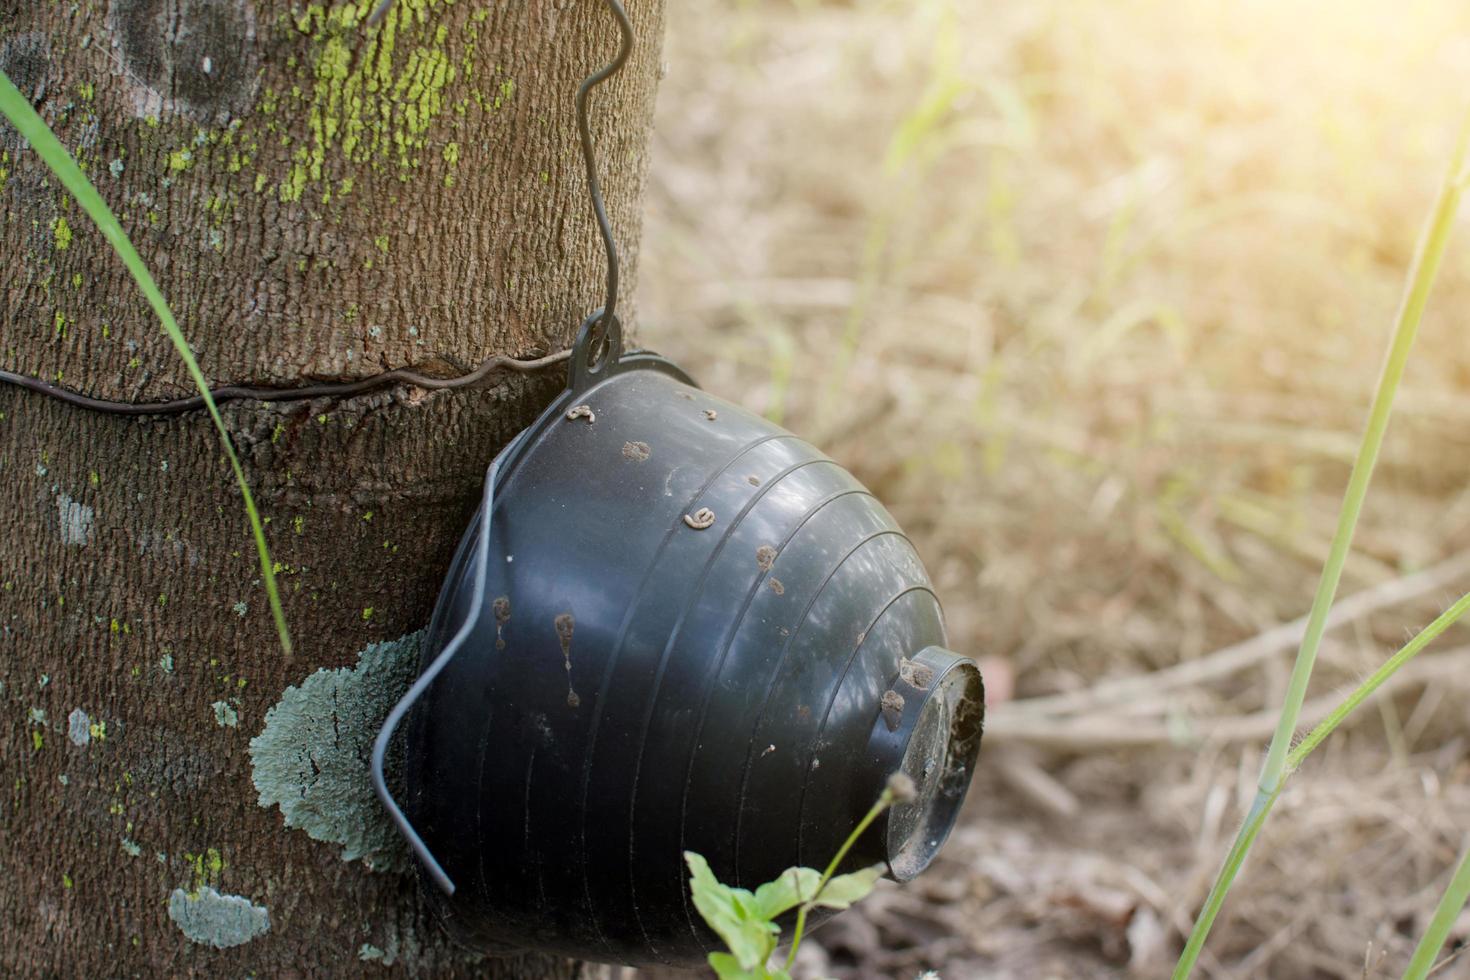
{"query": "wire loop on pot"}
pixel 395 717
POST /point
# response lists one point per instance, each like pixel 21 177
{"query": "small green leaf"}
pixel 796 885
pixel 726 967
pixel 732 914
pixel 843 890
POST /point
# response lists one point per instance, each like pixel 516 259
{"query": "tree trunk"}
pixel 318 200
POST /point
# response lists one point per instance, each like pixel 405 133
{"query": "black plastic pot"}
pixel 672 626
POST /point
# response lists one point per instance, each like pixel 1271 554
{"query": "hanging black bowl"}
pixel 671 626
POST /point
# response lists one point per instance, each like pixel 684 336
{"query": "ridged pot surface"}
pixel 686 629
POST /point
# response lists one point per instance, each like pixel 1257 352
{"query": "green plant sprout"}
pixel 746 921
pixel 33 129
pixel 1281 757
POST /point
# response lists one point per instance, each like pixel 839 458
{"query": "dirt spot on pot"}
pixel 501 608
pixel 777 587
pixel 566 624
pixel 765 557
pixel 636 451
pixel 891 707
pixel 917 675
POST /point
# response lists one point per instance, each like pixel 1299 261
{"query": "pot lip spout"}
pixel 928 728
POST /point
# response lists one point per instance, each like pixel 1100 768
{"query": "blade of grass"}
pixel 1262 805
pixel 1422 274
pixel 34 130
pixel 1450 904
pixel 1375 680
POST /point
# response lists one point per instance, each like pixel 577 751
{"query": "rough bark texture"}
pixel 318 201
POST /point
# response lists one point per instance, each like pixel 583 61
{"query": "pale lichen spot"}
pixel 211 919
pixel 79 727
pixel 224 715
pixel 76 521
pixel 311 757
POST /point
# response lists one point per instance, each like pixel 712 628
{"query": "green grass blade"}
pixel 1261 808
pixel 1254 821
pixel 1422 274
pixel 34 130
pixel 1364 690
pixel 1445 914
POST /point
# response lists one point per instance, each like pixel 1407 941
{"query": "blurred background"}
pixel 1093 295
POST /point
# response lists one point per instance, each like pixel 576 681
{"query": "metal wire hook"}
pixel 589 156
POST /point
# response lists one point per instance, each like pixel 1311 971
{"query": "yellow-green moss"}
pixel 371 96
pixel 207 867
pixel 62 232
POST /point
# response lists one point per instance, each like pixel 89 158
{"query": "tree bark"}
pixel 318 200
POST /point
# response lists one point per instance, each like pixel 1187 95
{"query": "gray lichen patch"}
pixel 76 521
pixel 224 715
pixel 311 759
pixel 398 948
pixel 398 939
pixel 212 919
pixel 79 727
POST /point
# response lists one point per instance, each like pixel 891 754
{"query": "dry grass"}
pixel 1093 295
